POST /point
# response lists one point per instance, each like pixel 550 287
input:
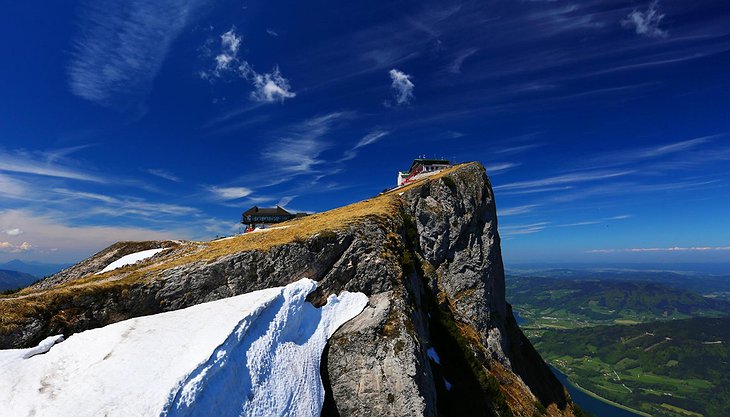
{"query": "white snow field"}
pixel 130 259
pixel 256 354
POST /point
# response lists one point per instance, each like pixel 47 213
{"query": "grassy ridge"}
pixel 52 304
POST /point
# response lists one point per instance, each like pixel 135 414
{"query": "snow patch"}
pixel 130 259
pixel 254 354
pixel 11 355
pixel 266 229
pixel 270 365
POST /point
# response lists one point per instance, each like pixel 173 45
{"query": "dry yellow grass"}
pixel 15 309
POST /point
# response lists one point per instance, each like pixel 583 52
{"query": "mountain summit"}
pixel 436 336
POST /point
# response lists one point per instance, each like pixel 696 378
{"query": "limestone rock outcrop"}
pixel 437 336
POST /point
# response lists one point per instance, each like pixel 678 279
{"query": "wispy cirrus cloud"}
pixel 119 47
pixel 499 167
pixel 563 179
pixel 631 156
pixel 47 164
pixel 556 19
pixel 646 22
pixel 164 174
pixel 522 229
pixel 297 151
pixel 597 221
pixel 13 188
pixel 508 150
pixel 293 153
pixel 229 193
pixel 371 138
pixel 125 206
pixel 366 140
pixel 296 162
pixel 283 201
pixel 456 64
pixel 511 211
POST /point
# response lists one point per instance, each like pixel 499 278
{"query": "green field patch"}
pixel 626 363
pixel 680 411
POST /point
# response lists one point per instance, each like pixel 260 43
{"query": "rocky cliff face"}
pixel 437 336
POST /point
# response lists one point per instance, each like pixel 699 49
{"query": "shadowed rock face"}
pixel 435 281
pixel 450 297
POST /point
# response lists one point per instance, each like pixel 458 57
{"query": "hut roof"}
pixel 266 211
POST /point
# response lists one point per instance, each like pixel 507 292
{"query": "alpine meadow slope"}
pixel 436 337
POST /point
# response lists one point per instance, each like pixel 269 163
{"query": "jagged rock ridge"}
pixel 437 336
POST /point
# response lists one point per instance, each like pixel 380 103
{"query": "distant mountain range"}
pixel 37 269
pixel 10 280
pixel 608 300
pixel 701 283
pixel 712 268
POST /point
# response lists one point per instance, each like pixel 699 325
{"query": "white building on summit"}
pixel 422 166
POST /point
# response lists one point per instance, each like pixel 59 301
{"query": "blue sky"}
pixel 604 125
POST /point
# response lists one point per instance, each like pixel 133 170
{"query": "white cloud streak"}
pixel 669 249
pixel 126 206
pixel 371 138
pixel 12 188
pixel 500 167
pixel 516 210
pixel 631 156
pixel 297 150
pixel 563 179
pixel 675 147
pixel 42 164
pixel 164 174
pixel 366 140
pixel 592 222
pixel 456 64
pixel 283 201
pixel 522 229
pixel 229 193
